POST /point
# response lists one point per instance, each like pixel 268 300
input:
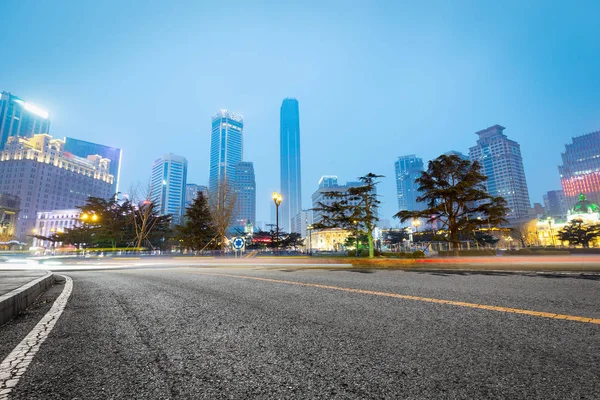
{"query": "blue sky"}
pixel 374 80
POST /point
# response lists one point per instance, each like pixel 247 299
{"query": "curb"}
pixel 15 302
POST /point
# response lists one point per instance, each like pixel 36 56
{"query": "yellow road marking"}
pixel 419 298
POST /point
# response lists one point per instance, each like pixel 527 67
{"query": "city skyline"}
pixel 332 70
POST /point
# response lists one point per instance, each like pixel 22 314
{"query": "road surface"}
pixel 287 332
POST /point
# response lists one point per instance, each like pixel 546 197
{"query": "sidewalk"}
pixel 19 289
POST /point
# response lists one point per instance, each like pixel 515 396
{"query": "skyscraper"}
pixel 501 162
pixel 226 147
pixel 332 186
pixel 245 189
pixel 81 148
pixel 19 118
pixel 580 172
pixel 290 175
pixel 408 169
pixel 167 185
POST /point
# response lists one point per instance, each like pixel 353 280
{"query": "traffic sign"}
pixel 238 243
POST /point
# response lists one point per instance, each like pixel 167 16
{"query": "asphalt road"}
pixel 162 333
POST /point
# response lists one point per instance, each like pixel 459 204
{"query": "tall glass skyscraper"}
pixel 81 148
pixel 408 169
pixel 245 189
pixel 226 147
pixel 580 172
pixel 168 185
pixel 501 162
pixel 19 118
pixel 291 182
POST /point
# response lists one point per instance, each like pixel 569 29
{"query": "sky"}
pixel 375 80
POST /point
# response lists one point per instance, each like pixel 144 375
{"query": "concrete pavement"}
pixel 19 289
pixel 200 332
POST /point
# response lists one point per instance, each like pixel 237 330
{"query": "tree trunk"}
pixel 371 249
pixel 455 242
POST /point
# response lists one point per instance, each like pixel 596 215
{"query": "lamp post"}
pixel 88 218
pixel 551 234
pixel 310 228
pixel 277 199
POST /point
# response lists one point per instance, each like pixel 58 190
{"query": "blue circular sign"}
pixel 238 243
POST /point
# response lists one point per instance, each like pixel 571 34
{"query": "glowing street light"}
pixel 416 223
pixel 277 198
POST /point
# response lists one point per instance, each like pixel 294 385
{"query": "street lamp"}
pixel 310 228
pixel 277 199
pixel 551 234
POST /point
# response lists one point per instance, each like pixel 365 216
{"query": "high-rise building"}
pixel 45 177
pixel 408 169
pixel 580 172
pixel 554 203
pixel 168 184
pixel 226 147
pixel 191 192
pixel 245 189
pixel 20 118
pixel 301 222
pixel 291 182
pixel 458 154
pixel 501 162
pixel 81 148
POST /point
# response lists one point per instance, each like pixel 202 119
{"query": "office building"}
pixel 290 176
pixel 81 148
pixel 328 181
pixel 226 147
pixel 501 161
pixel 20 118
pixel 245 189
pixel 458 154
pixel 320 196
pixel 168 185
pixel 580 171
pixel 191 192
pixel 554 203
pixel 45 177
pixel 301 222
pixel 408 169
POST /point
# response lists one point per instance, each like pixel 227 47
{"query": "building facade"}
pixel 408 169
pixel 20 118
pixel 45 177
pixel 168 185
pixel 226 147
pixel 501 162
pixel 9 213
pixel 301 223
pixel 81 148
pixel 290 165
pixel 554 203
pixel 52 222
pixel 245 190
pixel 580 171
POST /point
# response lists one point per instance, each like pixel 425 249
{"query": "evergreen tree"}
pixel 454 192
pixel 353 210
pixel 198 231
pixel 578 233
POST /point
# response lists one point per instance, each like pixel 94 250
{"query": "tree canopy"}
pixel 579 233
pixel 198 231
pixel 455 197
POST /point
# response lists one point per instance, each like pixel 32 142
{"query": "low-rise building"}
pixel 328 239
pixel 9 212
pixel 52 222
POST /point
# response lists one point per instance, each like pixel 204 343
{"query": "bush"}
pixel 469 253
pixel 418 254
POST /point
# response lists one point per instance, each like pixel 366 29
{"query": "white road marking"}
pixel 16 363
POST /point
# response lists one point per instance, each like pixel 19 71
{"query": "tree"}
pixel 222 202
pixel 578 233
pixel 148 226
pixel 395 236
pixel 455 195
pixel 198 231
pixel 112 227
pixel 525 233
pixel 354 209
pixel 293 240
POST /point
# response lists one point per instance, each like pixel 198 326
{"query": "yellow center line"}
pixel 419 298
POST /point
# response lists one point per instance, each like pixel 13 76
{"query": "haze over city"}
pixel 373 81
